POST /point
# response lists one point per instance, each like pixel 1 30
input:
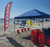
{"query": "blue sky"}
pixel 21 6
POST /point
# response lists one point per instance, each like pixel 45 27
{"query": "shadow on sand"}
pixel 13 42
pixel 29 38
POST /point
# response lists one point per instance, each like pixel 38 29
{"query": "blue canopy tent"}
pixel 32 14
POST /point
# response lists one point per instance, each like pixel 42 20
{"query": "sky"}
pixel 21 6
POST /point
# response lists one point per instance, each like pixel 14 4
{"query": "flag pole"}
pixel 4 26
pixel 14 26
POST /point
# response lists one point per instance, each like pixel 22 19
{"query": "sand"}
pixel 19 40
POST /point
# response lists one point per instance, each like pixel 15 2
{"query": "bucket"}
pixel 22 30
pixel 28 28
pixel 17 31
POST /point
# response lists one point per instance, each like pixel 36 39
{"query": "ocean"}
pixel 2 22
pixel 12 21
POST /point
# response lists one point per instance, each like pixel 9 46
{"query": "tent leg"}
pixel 42 24
pixel 35 21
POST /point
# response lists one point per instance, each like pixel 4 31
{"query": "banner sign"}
pixel 7 15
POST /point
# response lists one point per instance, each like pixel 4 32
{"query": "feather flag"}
pixel 32 24
pixel 29 22
pixel 7 15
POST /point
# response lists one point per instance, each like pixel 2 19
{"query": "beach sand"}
pixel 19 40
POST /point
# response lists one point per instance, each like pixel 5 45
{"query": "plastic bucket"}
pixel 28 28
pixel 22 30
pixel 17 31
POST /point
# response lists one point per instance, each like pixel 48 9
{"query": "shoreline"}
pixel 3 23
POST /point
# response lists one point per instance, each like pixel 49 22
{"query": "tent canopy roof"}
pixel 32 14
